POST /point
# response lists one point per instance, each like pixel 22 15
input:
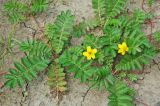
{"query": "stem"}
pixel 3 72
pixel 1 85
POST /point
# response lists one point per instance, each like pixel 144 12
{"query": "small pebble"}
pixel 136 86
pixel 140 78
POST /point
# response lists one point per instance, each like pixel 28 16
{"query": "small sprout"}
pixel 90 53
pixel 132 77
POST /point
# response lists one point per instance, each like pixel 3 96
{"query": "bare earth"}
pixel 38 92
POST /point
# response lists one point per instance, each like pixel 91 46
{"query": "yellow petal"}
pixel 123 53
pixel 127 49
pixel 124 44
pixel 93 56
pixel 119 46
pixel 94 51
pixel 119 51
pixel 89 48
pixel 85 53
pixel 88 57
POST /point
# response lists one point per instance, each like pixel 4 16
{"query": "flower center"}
pixel 90 53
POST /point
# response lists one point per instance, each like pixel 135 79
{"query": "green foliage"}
pixel 6 46
pixel 83 27
pixel 99 77
pixel 99 42
pixel 117 28
pixel 39 6
pixel 133 62
pixel 140 49
pixel 150 2
pixel 77 64
pixel 102 78
pixel 108 69
pixel 157 36
pixel 16 11
pixel 91 40
pixel 36 48
pixel 106 9
pixel 99 7
pixel 120 95
pixel 132 77
pixel 79 30
pixel 37 59
pixel 59 32
pixel 115 8
pixel 138 18
pixel 125 75
pixel 25 70
pixel 110 41
pixel 136 43
pixel 56 78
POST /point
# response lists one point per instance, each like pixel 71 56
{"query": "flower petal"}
pixel 123 53
pixel 127 49
pixel 119 46
pixel 124 44
pixel 93 57
pixel 94 51
pixel 85 53
pixel 88 57
pixel 120 50
pixel 89 48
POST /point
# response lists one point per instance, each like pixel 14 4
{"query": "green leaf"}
pixel 59 32
pixel 25 70
pixel 39 6
pixel 102 78
pixel 150 2
pixel 133 62
pixel 115 7
pixel 77 64
pixel 157 36
pixel 16 11
pixel 79 30
pixel 35 48
pixel 137 42
pixel 91 40
pixel 85 26
pixel 119 95
pixel 56 78
pixel 99 8
pixel 132 77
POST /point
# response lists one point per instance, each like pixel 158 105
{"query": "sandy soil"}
pixel 38 92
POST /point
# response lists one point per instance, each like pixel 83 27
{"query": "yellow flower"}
pixel 123 48
pixel 90 53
